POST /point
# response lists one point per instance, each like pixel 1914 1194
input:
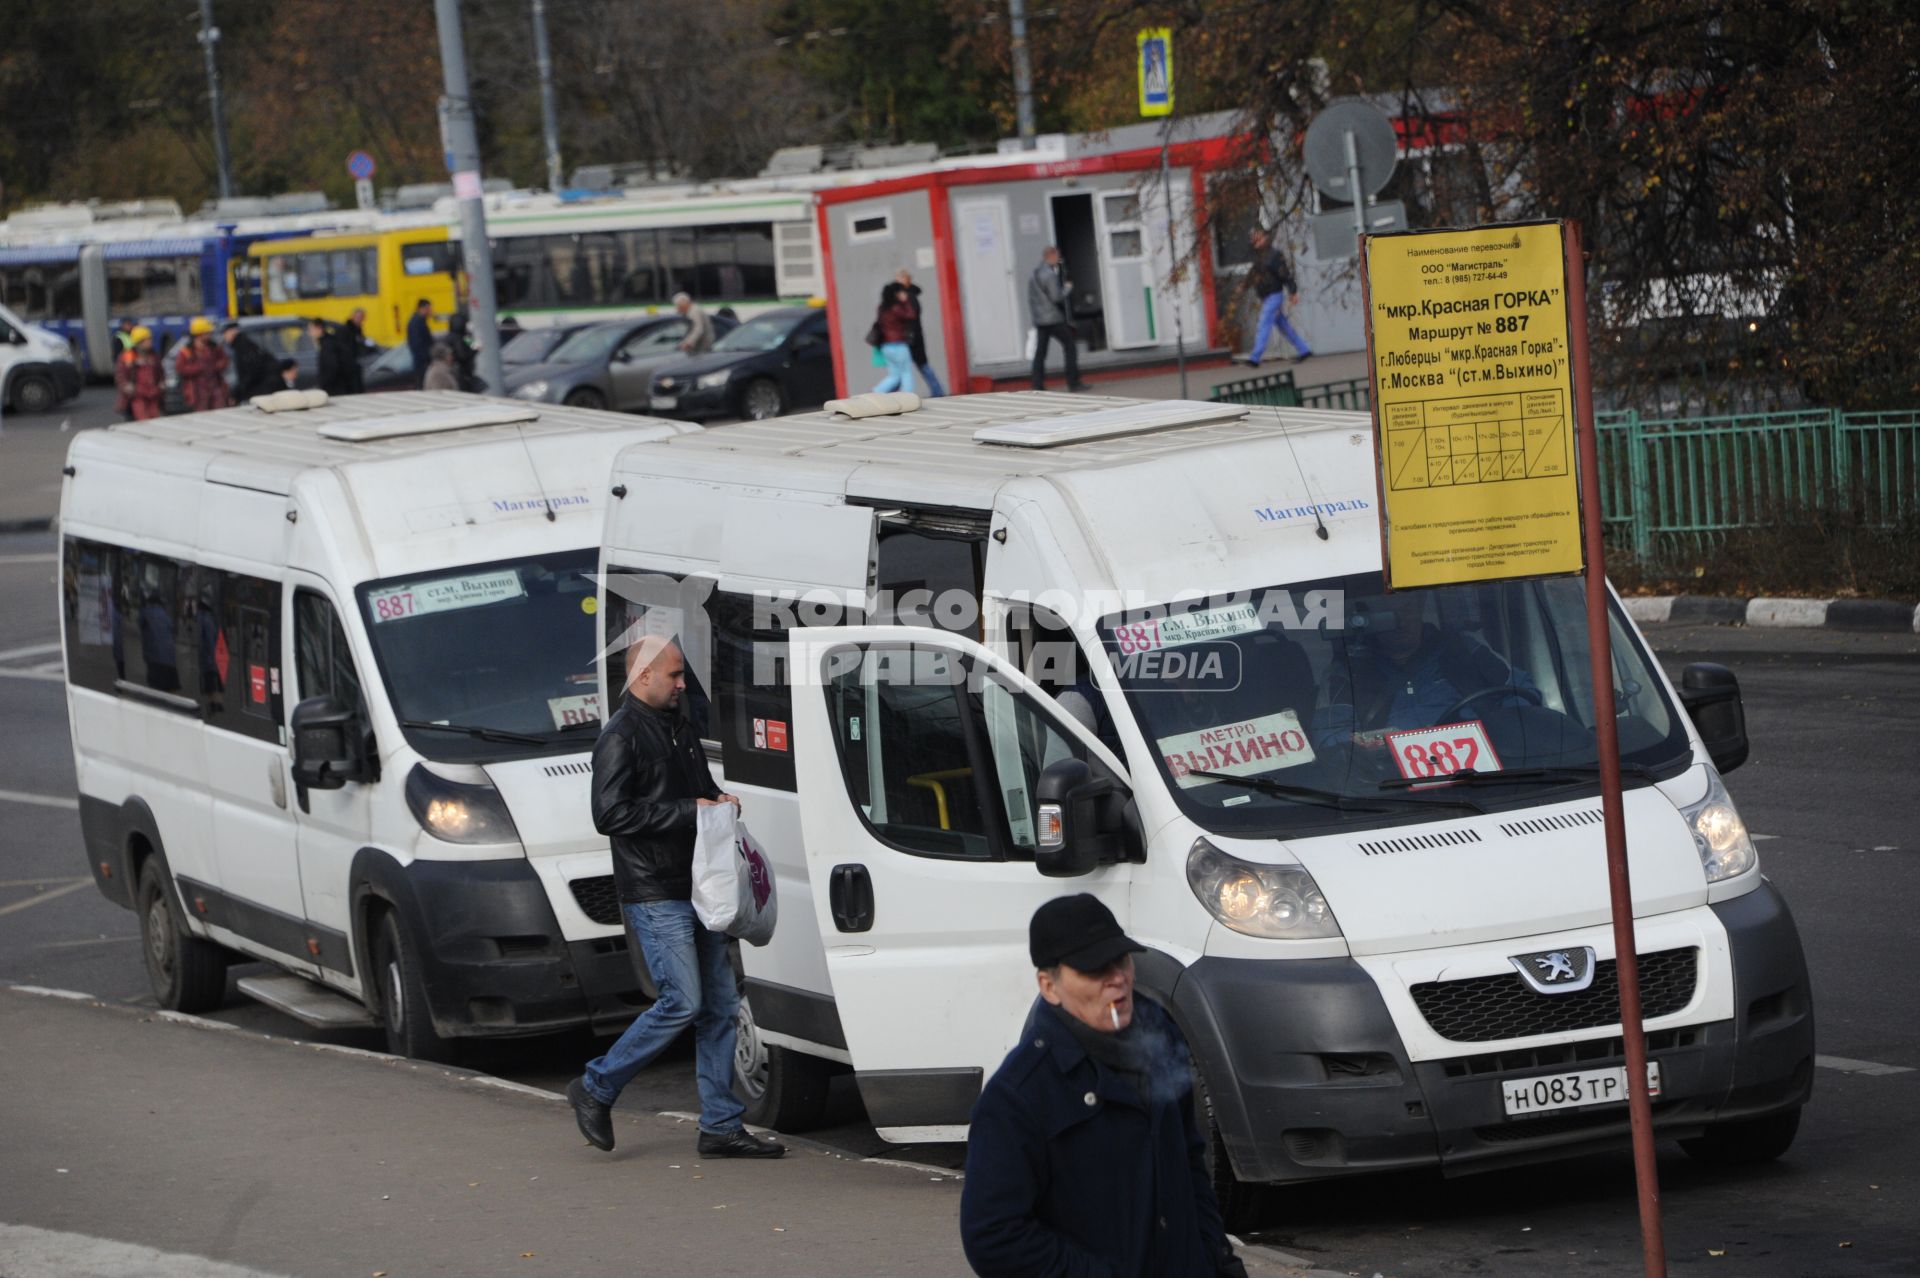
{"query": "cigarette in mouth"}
pixel 1113 1010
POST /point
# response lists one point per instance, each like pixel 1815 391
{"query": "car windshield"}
pixel 506 647
pixel 763 334
pixel 1371 700
pixel 589 344
pixel 532 345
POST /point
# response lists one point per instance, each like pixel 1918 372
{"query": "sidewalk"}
pixel 293 1159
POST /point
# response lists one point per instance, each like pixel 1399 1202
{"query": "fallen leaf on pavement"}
pixel 1716 1251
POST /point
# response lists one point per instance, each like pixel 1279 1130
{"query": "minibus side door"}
pixel 333 824
pixel 917 753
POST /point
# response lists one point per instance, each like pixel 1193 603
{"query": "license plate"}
pixel 664 402
pixel 1526 1097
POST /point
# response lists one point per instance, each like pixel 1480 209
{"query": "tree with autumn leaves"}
pixel 1739 169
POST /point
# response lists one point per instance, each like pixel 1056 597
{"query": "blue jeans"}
pixel 934 389
pixel 899 357
pixel 691 967
pixel 1273 314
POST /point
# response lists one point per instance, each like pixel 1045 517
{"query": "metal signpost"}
pixel 360 166
pixel 463 162
pixel 1351 152
pixel 1483 417
pixel 1154 74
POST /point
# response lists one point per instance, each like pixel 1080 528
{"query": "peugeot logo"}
pixel 1556 971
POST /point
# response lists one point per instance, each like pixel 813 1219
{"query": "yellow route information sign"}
pixel 1473 408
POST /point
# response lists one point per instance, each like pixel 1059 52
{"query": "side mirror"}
pixel 1711 694
pixel 329 745
pixel 623 356
pixel 1082 820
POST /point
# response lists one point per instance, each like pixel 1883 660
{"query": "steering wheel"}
pixel 1514 689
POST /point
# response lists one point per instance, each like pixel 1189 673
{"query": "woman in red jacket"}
pixel 895 324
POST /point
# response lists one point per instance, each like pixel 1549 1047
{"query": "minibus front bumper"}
pixel 1309 1079
pixel 493 959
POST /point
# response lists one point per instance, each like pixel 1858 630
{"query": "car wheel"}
pixel 783 1089
pixel 762 399
pixel 33 393
pixel 1745 1141
pixel 403 996
pixel 187 974
pixel 585 397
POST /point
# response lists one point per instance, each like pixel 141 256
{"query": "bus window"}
pixel 154 286
pixel 754 243
pixel 438 257
pixel 347 275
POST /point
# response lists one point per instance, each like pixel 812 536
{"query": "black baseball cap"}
pixel 1079 931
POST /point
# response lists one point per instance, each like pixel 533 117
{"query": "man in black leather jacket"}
pixel 650 777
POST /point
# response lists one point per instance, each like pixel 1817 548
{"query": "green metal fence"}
pixel 1678 485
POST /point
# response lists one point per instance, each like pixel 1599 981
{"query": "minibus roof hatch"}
pixel 464 418
pixel 1109 423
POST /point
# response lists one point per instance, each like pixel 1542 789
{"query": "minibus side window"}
pixel 96 655
pixel 239 666
pixel 750 680
pixel 321 655
pixel 158 636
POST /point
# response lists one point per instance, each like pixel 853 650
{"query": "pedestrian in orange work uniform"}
pixel 202 365
pixel 138 378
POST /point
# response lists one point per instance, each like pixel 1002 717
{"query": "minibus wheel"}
pixel 187 973
pixel 403 996
pixel 783 1089
pixel 1238 1199
pixel 34 394
pixel 1745 1141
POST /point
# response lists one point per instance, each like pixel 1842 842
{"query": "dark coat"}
pixel 649 768
pixel 254 371
pixel 420 342
pixel 1273 273
pixel 918 342
pixel 337 366
pixel 1070 1173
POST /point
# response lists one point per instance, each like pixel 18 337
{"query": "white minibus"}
pixel 967 657
pixel 331 680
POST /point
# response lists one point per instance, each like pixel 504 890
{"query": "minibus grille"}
pixel 597 899
pixel 1483 1009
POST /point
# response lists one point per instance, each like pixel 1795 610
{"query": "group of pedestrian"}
pixel 1085 1155
pixel 899 341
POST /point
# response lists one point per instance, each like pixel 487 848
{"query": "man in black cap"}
pixel 1085 1156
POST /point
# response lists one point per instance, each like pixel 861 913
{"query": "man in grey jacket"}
pixel 1047 295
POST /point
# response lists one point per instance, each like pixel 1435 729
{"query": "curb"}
pixel 1884 616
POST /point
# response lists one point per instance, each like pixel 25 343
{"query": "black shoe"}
pixel 739 1143
pixel 594 1116
pixel 1079 388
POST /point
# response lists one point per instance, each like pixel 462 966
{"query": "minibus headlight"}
pixel 713 381
pixel 1281 902
pixel 1726 849
pixel 532 390
pixel 456 812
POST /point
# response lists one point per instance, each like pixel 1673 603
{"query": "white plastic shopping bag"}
pixel 732 878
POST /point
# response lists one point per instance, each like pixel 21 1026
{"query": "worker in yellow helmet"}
pixel 202 365
pixel 139 378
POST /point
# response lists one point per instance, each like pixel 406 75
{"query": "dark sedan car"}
pixel 608 365
pixel 776 361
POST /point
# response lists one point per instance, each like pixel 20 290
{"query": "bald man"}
pixel 650 777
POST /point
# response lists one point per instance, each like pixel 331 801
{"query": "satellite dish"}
pixel 1374 145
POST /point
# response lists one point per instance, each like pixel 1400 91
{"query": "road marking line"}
pixel 50 1253
pixel 1846 1066
pixel 46 676
pixel 42 800
pixel 92 940
pixel 42 991
pixel 8 883
pixel 47 557
pixel 31 650
pixel 1757 837
pixel 43 897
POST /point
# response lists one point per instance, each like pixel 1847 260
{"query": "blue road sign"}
pixel 360 165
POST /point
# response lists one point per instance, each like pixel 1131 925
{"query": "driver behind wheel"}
pixel 1396 670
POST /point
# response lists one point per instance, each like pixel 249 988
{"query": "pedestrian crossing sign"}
pixel 1154 67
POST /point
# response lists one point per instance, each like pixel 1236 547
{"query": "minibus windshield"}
pixel 490 661
pixel 1304 707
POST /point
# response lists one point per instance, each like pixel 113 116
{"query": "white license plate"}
pixel 664 402
pixel 1526 1097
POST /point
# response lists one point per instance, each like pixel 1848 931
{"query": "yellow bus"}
pixel 326 276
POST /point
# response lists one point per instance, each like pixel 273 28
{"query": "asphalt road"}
pixel 1831 788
